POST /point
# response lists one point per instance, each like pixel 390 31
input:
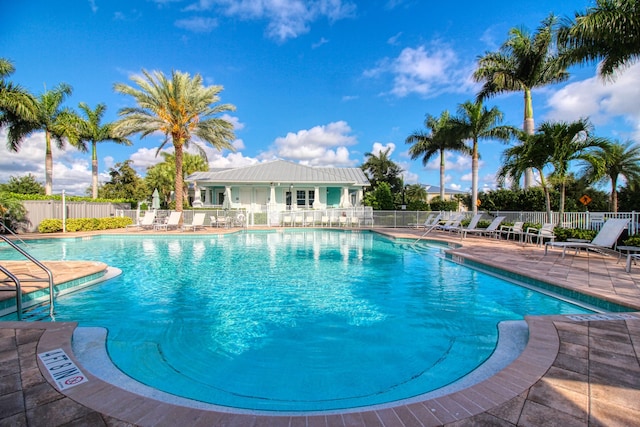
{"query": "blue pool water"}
pixel 303 320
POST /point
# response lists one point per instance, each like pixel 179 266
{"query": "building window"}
pixel 312 198
pixel 300 198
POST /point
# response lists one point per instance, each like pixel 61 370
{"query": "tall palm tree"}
pixel 91 130
pixel 58 123
pixel 380 168
pixel 440 137
pixel 161 176
pixel 569 141
pixel 15 102
pixel 182 109
pixel 613 161
pixel 524 62
pixel 533 152
pixel 608 31
pixel 475 122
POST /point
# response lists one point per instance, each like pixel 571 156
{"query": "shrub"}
pixel 632 241
pixel 84 224
pixel 563 234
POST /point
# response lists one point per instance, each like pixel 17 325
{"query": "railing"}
pixel 402 219
pixel 13 279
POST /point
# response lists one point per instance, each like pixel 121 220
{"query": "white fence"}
pixel 362 216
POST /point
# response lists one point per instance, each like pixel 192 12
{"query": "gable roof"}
pixel 282 171
pixel 433 189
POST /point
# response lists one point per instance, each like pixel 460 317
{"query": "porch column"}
pixel 359 196
pixel 344 199
pixel 272 197
pixel 316 198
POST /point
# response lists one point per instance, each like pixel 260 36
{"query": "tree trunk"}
pixel 94 171
pixel 179 183
pixel 48 165
pixel 442 175
pixel 547 196
pixel 614 195
pixel 474 178
pixel 529 128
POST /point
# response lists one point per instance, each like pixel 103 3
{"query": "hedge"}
pixel 84 224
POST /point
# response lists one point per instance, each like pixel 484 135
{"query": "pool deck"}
pixel 574 371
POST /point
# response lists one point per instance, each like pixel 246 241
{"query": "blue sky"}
pixel 317 82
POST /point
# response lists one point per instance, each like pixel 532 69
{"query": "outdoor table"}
pixel 633 252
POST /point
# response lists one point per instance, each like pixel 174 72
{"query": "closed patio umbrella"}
pixel 155 202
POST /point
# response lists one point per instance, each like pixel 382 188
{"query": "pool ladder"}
pixel 13 278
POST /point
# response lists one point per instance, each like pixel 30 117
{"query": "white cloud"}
pixel 452 162
pixel 393 40
pixel 197 24
pixel 144 158
pixel 93 6
pixel 235 121
pixel 319 146
pixel 71 168
pixel 601 101
pixel 379 147
pixel 425 71
pixel 319 43
pixel 286 18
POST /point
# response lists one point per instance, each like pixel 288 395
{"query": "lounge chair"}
pixel 197 222
pixel 147 220
pixel 544 232
pixel 451 224
pixel 172 222
pixel 325 221
pixel 286 220
pixel 473 223
pixel 516 228
pixel 354 221
pixel 309 220
pixel 605 239
pixel 492 230
pixel 342 221
pixel 432 219
pixel 298 220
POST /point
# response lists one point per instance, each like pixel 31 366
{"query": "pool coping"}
pixel 108 399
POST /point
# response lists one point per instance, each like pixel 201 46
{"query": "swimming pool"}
pixel 291 321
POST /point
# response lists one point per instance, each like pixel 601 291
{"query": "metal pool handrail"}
pixel 39 264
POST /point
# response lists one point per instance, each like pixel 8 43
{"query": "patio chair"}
pixel 544 232
pixel 354 221
pixel 147 220
pixel 516 229
pixel 342 221
pixel 298 220
pixel 239 220
pixel 605 239
pixel 197 222
pixel 172 222
pixel 492 229
pixel 286 220
pixel 325 221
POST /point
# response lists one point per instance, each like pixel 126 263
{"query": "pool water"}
pixel 291 321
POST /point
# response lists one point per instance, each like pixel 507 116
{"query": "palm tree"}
pixel 440 137
pixel 162 175
pixel 182 109
pixel 615 160
pixel 380 168
pixel 533 152
pixel 58 123
pixel 569 142
pixel 15 102
pixel 608 31
pixel 476 122
pixel 524 62
pixel 92 131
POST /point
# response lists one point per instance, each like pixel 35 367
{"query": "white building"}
pixel 278 186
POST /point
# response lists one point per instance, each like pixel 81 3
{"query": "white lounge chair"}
pixel 491 230
pixel 544 232
pixel 309 221
pixel 147 220
pixel 605 239
pixel 473 223
pixel 286 220
pixel 197 222
pixel 172 222
pixel 325 221
pixel 452 223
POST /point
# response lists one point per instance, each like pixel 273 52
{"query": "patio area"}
pixel 575 370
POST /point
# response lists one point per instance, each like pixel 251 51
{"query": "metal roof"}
pixel 282 171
